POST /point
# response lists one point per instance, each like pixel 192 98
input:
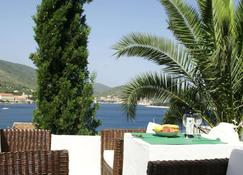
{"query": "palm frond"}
pixel 207 24
pixel 184 22
pixel 206 60
pixel 159 50
pixel 223 11
pixel 152 86
pixel 236 73
pixel 239 28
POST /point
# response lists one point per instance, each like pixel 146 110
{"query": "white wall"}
pixel 84 153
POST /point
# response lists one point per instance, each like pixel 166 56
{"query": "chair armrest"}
pixel 118 157
pixel 188 167
pixel 108 137
pixel 34 162
pixel 110 140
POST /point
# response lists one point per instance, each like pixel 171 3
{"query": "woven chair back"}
pixel 25 140
pixel 34 163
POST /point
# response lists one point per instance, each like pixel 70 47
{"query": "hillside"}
pixel 115 91
pixel 16 77
pixel 100 88
pixel 103 90
pixel 23 78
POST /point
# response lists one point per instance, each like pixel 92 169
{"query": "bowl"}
pixel 166 134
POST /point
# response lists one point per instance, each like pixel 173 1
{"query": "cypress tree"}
pixel 65 92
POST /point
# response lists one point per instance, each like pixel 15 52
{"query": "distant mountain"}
pixel 103 90
pixel 20 77
pixel 100 88
pixel 115 91
pixel 16 77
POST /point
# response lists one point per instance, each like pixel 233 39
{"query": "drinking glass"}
pixel 198 122
pixel 184 122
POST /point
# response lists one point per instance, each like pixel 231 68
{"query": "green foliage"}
pixel 64 93
pixel 202 69
pixel 175 113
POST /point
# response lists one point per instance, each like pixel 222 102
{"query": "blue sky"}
pixel 109 21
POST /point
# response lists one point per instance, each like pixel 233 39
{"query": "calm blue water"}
pixel 110 115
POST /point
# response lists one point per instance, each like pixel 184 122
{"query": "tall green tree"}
pixel 203 65
pixel 64 93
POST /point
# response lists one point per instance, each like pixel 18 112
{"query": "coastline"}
pixel 111 115
pixel 102 102
pixel 152 106
pixel 14 103
pixel 147 106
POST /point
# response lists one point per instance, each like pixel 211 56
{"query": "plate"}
pixel 166 134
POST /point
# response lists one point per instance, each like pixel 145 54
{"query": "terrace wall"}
pixel 84 153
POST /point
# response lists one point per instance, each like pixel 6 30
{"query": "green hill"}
pixel 115 91
pixel 16 77
pixel 23 78
pixel 100 88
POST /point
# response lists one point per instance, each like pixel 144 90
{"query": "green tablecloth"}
pixel 180 140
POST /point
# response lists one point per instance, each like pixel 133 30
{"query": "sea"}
pixel 111 115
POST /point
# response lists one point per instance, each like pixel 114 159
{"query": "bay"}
pixel 110 115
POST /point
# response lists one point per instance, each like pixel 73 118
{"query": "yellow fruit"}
pixel 166 128
pixel 157 128
pixel 171 126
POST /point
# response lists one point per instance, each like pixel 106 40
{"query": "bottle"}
pixel 189 126
pixel 188 122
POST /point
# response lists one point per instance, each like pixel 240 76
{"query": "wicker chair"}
pixel 25 140
pixel 34 163
pixel 188 167
pixel 112 139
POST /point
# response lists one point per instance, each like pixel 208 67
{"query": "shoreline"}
pixel 118 103
pixel 19 102
pixel 153 106
pixel 147 106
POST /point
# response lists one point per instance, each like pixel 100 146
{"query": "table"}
pixel 137 153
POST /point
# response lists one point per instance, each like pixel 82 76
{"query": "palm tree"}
pixel 203 65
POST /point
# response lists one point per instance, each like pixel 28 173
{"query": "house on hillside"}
pixel 21 98
pixel 23 125
pixel 8 97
